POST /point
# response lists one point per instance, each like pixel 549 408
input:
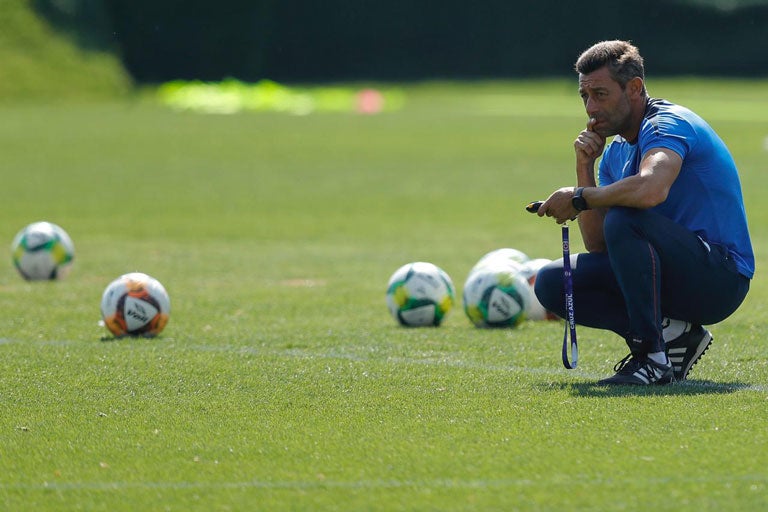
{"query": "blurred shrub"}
pixel 39 61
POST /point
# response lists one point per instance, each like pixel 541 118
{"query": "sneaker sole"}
pixel 676 359
pixel 610 381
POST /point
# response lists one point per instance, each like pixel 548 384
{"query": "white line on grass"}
pixel 441 360
pixel 319 484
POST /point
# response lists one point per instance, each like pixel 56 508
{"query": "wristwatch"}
pixel 578 202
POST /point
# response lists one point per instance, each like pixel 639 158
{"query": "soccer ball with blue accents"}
pixel 42 251
pixel 135 304
pixel 420 294
pixel 497 295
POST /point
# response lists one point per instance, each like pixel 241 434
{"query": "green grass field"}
pixel 281 381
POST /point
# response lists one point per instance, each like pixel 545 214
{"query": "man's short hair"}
pixel 623 60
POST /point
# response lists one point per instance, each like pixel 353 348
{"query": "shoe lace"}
pixel 628 365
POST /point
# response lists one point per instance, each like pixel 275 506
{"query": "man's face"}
pixel 605 102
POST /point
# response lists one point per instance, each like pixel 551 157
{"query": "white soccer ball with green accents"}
pixel 420 294
pixel 505 254
pixel 42 251
pixel 497 295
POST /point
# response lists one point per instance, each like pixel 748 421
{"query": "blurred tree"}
pixel 194 39
pixel 307 40
pixel 86 21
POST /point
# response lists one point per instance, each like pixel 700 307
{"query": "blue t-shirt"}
pixel 706 196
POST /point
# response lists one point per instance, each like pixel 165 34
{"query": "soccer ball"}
pixel 497 295
pixel 535 310
pixel 42 250
pixel 506 254
pixel 135 304
pixel 420 294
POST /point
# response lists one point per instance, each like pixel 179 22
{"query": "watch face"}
pixel 579 202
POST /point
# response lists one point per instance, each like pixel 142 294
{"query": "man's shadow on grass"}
pixel 684 388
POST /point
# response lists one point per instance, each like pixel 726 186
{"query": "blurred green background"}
pixel 66 48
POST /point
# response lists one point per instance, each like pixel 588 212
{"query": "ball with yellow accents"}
pixel 42 251
pixel 420 294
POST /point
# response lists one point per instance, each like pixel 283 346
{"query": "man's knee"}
pixel 617 221
pixel 549 286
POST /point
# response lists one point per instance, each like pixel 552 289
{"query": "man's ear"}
pixel 635 86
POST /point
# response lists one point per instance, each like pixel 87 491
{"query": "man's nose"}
pixel 590 106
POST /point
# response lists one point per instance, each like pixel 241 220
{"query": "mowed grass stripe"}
pixel 455 360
